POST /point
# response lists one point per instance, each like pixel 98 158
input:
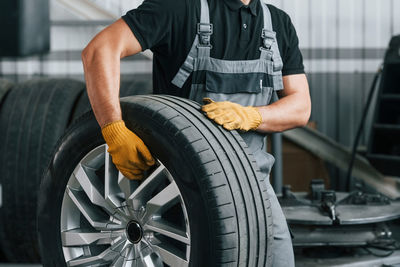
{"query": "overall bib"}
pixel 248 83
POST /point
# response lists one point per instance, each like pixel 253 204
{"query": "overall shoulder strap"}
pixel 204 12
pixel 270 48
pixel 268 35
pixel 200 47
pixel 267 17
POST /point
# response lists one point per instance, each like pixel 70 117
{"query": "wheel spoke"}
pixel 118 262
pixel 112 192
pixel 127 186
pixel 131 263
pixel 92 186
pixel 143 192
pixel 93 214
pixel 162 201
pixel 94 189
pixel 107 256
pixel 167 229
pixel 152 260
pixel 81 238
pixel 127 246
pixel 171 255
pixel 129 254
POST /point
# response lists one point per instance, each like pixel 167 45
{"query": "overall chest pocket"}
pixel 248 89
pixel 233 83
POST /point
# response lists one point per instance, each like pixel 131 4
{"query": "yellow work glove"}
pixel 232 116
pixel 129 154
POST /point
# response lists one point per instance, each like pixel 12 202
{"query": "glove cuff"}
pixel 114 132
pixel 256 118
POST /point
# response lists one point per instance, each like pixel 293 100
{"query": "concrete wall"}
pixel 343 43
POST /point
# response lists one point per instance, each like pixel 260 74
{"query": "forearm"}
pixel 102 74
pixel 101 62
pixel 288 112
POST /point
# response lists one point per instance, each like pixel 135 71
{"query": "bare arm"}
pixel 292 110
pixel 101 63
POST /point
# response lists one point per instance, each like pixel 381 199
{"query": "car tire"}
pixel 33 117
pixel 223 211
pixel 127 88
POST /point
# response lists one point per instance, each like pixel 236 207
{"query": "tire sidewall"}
pixel 78 141
pixel 85 136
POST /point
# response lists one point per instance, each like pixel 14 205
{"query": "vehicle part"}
pixel 33 117
pixel 350 245
pixel 221 214
pixel 353 260
pixel 326 207
pixel 339 156
pixel 342 229
pixel 338 236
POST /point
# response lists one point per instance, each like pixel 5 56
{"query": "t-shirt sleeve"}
pixel 292 57
pixel 152 22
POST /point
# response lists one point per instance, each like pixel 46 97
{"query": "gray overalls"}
pixel 249 83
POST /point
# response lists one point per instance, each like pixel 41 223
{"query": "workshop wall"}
pixel 73 24
pixel 343 43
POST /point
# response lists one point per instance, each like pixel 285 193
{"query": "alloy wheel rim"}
pixel 108 220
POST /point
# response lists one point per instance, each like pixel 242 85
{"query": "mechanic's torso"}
pixel 236 36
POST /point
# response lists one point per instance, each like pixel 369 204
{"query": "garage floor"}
pixel 393 261
pixel 19 265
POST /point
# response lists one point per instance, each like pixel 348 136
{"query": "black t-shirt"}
pixel 168 28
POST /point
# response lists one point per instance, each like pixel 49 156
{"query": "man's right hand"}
pixel 129 154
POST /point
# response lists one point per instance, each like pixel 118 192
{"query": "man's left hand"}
pixel 232 116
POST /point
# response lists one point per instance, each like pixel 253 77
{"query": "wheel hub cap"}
pixel 134 232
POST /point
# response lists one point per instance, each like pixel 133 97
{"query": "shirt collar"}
pixel 237 4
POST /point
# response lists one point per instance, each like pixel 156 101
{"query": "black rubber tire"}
pixel 2 257
pixel 130 88
pixel 5 87
pixel 127 88
pixel 33 117
pixel 225 195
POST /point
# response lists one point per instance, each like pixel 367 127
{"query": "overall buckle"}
pixel 205 30
pixel 268 37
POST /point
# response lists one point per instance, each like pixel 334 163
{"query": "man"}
pixel 232 55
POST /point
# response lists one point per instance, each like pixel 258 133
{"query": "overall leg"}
pixel 282 249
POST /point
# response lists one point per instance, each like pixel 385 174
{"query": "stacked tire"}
pixel 33 116
pixel 5 87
